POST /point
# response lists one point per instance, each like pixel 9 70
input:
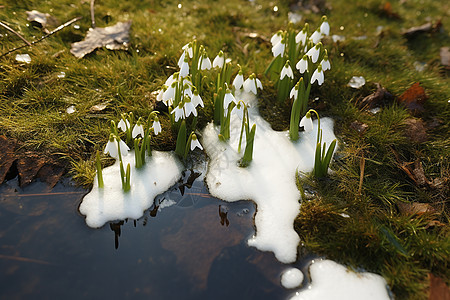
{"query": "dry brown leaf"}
pixel 415 208
pixel 414 98
pixel 98 107
pixel 415 130
pixel 438 288
pixel 42 19
pixel 359 126
pixel 427 27
pixel 113 38
pixel 378 98
pixel 387 10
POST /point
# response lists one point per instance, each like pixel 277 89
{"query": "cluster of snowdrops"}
pixel 182 94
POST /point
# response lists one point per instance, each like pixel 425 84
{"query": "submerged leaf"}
pixel 113 38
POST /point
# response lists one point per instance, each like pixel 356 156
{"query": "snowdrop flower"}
pixel 316 36
pixel 314 52
pixel 325 63
pixel 187 90
pixel 252 83
pixel 278 49
pixel 123 125
pixel 181 60
pixel 195 143
pixel 189 49
pixel 159 97
pixel 197 100
pixel 227 100
pixel 325 27
pixel 277 37
pixel 300 38
pixel 219 60
pixel 238 80
pixel 239 109
pixel 179 112
pixel 184 69
pixel 286 71
pixel 189 107
pixel 318 75
pixel 306 122
pixel 294 91
pixel 138 129
pixel 302 64
pixel 156 126
pixel 205 63
pixel 112 147
pixel 172 78
pixel 169 94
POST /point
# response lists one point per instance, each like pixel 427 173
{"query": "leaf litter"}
pixel 114 37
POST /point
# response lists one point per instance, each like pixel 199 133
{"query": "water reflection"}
pixel 194 249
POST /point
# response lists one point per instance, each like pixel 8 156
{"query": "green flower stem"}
pixel 181 140
pixel 248 153
pixel 98 165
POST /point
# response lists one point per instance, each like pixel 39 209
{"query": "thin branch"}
pixel 362 164
pixel 15 32
pixel 45 36
pixel 92 14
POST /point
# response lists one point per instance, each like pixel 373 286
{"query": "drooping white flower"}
pixel 195 143
pixel 316 36
pixel 300 38
pixel 188 47
pixel 325 27
pixel 172 78
pixel 112 147
pixel 227 99
pixel 302 64
pixel 306 122
pixel 187 91
pixel 189 107
pixel 278 49
pixel 314 52
pixel 123 124
pixel 294 91
pixel 286 71
pixel 197 100
pixel 159 97
pixel 238 80
pixel 181 60
pixel 318 75
pixel 205 63
pixel 277 37
pixel 179 112
pixel 219 60
pixel 169 94
pixel 251 84
pixel 239 109
pixel 156 126
pixel 184 69
pixel 138 129
pixel 325 63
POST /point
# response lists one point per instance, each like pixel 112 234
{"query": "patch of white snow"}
pixel 291 278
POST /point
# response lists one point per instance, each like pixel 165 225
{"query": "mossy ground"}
pixel 402 246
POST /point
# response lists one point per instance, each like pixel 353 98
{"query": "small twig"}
pixel 15 32
pixel 92 14
pixel 362 164
pixel 45 36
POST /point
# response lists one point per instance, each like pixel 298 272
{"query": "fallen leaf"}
pixel 427 27
pixel 378 98
pixel 359 127
pixel 41 19
pixel 113 38
pixel 28 166
pixel 387 11
pixel 415 130
pixel 98 107
pixel 7 156
pixel 414 98
pixel 438 288
pixel 415 208
pixel 445 56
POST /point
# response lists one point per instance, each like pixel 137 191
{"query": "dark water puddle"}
pixel 194 249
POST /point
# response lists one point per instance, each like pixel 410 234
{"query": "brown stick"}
pixel 15 32
pixel 362 164
pixel 92 14
pixel 25 259
pixel 45 36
